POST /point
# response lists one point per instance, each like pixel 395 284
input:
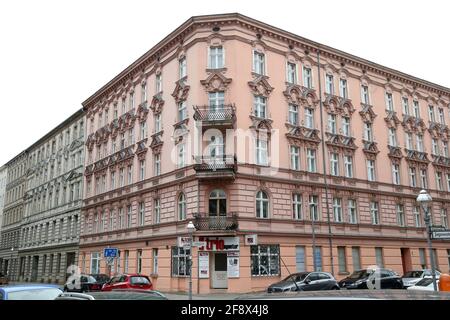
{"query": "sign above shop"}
pixel 251 239
pixel 184 241
pixel 220 244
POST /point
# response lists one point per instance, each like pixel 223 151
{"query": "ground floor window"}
pixel 180 261
pixel 95 262
pixel 318 258
pixel 265 260
pixel 300 258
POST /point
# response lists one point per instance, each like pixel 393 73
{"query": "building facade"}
pixel 12 214
pixel 53 197
pixel 288 155
pixel 3 178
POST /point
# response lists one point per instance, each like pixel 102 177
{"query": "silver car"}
pixel 410 278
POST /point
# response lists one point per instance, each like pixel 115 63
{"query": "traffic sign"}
pixel 110 252
pixel 444 235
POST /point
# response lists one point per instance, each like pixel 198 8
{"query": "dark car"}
pixel 4 279
pixel 101 278
pixel 128 281
pixel 372 279
pixel 305 281
pixel 86 283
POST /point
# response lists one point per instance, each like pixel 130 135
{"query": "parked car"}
pixel 119 294
pixel 128 281
pixel 373 279
pixel 410 278
pixel 86 283
pixel 305 281
pixel 101 278
pixel 4 279
pixel 425 284
pixel 29 292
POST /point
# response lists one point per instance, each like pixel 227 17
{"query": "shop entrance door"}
pixel 219 271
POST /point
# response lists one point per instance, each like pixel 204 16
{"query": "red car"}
pixel 128 281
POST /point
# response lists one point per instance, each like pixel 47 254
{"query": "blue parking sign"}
pixel 110 252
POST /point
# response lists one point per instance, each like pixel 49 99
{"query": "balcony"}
pixel 223 115
pixel 205 222
pixel 220 167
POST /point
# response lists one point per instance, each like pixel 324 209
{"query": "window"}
pixel 129 216
pixel 259 106
pixel 130 174
pixel 265 260
pixel 125 261
pixel 258 63
pixel 295 158
pixel 409 141
pixel 309 118
pixel 261 152
pixel 419 142
pixel 182 67
pixel 158 83
pixel 131 100
pixel 111 220
pixel 416 109
pixel 379 257
pixel 342 260
pixel 262 205
pixel 448 257
pixel 356 258
pixel 400 215
pixel 300 258
pixel 352 214
pixel 445 149
pixel 434 147
pixel 157 163
pixel 441 116
pixel 291 73
pixel 318 258
pixel 431 113
pixel 157 122
pixel 182 111
pixel 332 123
pixel 412 177
pixel 95 262
pixel 297 206
pixel 157 213
pixel 417 217
pixel 181 259
pixel 334 164
pixel 139 261
pixel 122 140
pixel 389 102
pixel 448 181
pixel 293 114
pixel 395 174
pixel 365 94
pixel 155 260
pixel 216 101
pixel 141 170
pixel 313 208
pixel 343 91
pixel 439 180
pixel 374 212
pixel 423 179
pixel 392 137
pixel 348 164
pixel 422 258
pixel 337 209
pixel 181 155
pixel 311 159
pixel 143 130
pixel 368 132
pixel 141 213
pixel 181 207
pixel 405 105
pixel 120 218
pixel 216 57
pixel 346 126
pixel 143 93
pixel 329 84
pixel 444 218
pixel 113 180
pixel 307 77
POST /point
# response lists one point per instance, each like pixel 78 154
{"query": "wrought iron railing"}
pixel 209 163
pixel 218 113
pixel 205 221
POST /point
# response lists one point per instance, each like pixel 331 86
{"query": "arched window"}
pixel 262 205
pixel 217 203
pixel 181 206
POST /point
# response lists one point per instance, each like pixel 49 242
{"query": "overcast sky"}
pixel 55 54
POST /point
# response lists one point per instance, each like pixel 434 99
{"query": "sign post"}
pixel 110 254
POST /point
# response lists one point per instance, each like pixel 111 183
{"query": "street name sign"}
pixel 110 252
pixel 444 235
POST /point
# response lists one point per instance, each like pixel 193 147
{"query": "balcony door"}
pixel 216 158
pixel 217 203
pixel 216 102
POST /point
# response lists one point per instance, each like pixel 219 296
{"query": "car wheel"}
pixel 335 288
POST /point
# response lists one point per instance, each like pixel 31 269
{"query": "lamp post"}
pixel 425 199
pixel 11 264
pixel 191 229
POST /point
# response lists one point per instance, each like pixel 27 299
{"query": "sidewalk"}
pixel 211 296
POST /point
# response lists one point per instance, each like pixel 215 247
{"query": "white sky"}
pixel 55 54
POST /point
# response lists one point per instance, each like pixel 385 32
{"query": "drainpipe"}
pixel 330 241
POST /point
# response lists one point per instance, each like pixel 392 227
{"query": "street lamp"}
pixel 11 264
pixel 425 199
pixel 191 229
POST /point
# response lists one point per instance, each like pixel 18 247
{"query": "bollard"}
pixel 444 282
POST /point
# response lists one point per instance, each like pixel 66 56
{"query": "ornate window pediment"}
pixel 412 124
pixel 141 148
pixel 216 81
pixel 300 95
pixel 370 149
pixel 338 105
pixel 157 142
pixel 438 130
pixel 416 156
pixel 340 141
pixel 157 103
pixel 367 114
pixel 395 153
pixel 181 130
pixel 181 90
pixel 302 134
pixel 142 111
pixel 260 86
pixel 261 123
pixel 391 119
pixel 441 162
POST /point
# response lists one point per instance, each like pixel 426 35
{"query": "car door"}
pixel 312 282
pixel 325 282
pixel 122 283
pixel 388 279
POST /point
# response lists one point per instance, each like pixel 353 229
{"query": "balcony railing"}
pixel 215 114
pixel 204 221
pixel 209 163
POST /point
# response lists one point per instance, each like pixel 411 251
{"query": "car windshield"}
pixel 100 277
pixel 35 294
pixel 424 282
pixel 297 277
pixel 359 274
pixel 413 274
pixel 139 280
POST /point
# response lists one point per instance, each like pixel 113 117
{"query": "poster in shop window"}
pixel 233 264
pixel 203 265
